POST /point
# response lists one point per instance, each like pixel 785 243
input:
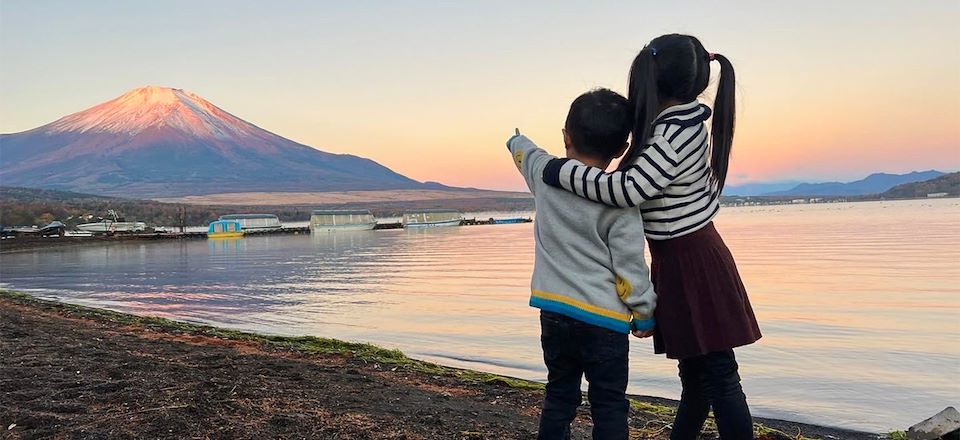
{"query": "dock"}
pixel 30 242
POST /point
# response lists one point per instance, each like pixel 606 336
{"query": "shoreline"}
pixel 129 354
pixel 26 243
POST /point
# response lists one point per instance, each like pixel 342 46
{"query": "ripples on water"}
pixel 858 302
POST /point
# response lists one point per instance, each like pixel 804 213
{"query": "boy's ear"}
pixel 623 149
pixel 567 142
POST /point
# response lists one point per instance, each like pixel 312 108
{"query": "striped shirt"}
pixel 670 179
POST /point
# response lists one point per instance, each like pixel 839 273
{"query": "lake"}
pixel 858 302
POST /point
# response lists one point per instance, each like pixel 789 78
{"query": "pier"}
pixel 32 241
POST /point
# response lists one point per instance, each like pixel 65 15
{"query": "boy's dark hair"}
pixel 598 123
pixel 677 67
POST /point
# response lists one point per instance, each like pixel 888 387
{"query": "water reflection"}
pixel 858 302
pixel 226 246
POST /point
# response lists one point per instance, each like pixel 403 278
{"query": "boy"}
pixel 590 280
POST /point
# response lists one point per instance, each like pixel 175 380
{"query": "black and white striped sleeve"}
pixel 653 170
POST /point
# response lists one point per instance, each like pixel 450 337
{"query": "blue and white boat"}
pixel 508 221
pixel 225 229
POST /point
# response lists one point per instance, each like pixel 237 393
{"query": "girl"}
pixel 675 172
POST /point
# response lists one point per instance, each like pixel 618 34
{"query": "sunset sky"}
pixel 829 90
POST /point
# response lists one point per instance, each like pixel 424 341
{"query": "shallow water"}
pixel 858 302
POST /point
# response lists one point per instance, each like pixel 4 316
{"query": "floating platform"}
pixel 24 242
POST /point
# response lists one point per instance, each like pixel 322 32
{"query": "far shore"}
pixel 77 371
pixel 342 197
pixel 26 243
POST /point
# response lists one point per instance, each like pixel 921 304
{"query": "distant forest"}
pixel 947 183
pixel 28 206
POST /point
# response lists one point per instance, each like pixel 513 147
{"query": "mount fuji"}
pixel 163 142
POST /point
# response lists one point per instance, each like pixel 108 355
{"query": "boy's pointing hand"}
pixel 516 133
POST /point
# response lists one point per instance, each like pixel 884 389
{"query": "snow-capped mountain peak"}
pixel 155 107
pixel 159 141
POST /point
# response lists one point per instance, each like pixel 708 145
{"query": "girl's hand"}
pixel 642 334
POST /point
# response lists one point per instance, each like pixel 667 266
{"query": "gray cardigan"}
pixel 589 257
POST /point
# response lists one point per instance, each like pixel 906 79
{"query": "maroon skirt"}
pixel 702 305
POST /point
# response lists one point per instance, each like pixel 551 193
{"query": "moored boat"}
pixel 255 222
pixel 108 225
pixel 342 220
pixel 507 221
pixel 225 229
pixel 426 218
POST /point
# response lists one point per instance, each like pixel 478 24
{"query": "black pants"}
pixel 572 349
pixel 711 380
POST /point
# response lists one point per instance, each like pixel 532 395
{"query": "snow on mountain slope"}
pixel 151 106
pixel 159 142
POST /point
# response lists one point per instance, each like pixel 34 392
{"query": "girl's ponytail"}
pixel 724 116
pixel 642 93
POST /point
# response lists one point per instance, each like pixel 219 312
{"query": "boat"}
pixel 508 221
pixel 225 229
pixel 255 222
pixel 55 228
pixel 426 218
pixel 342 220
pixel 109 226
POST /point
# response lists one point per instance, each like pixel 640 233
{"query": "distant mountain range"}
pixel 873 184
pixel 162 142
pixel 759 188
pixel 948 184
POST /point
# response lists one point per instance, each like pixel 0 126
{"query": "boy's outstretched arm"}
pixel 625 241
pixel 529 159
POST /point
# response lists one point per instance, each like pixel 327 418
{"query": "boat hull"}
pixel 343 228
pixel 440 224
pixel 111 226
pixel 225 234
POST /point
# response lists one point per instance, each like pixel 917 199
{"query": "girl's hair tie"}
pixel 711 56
pixel 653 51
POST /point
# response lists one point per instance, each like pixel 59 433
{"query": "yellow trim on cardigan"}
pixel 624 288
pixel 580 305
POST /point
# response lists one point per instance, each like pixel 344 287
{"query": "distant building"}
pixel 935 195
pixel 798 201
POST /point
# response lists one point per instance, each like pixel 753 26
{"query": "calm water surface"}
pixel 858 303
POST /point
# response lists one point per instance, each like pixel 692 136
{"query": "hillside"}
pixel 27 206
pixel 947 183
pixel 163 142
pixel 873 184
pixel 758 188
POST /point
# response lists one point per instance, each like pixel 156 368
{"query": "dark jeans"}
pixel 711 380
pixel 572 349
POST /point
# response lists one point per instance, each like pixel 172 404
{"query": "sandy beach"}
pixel 75 372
